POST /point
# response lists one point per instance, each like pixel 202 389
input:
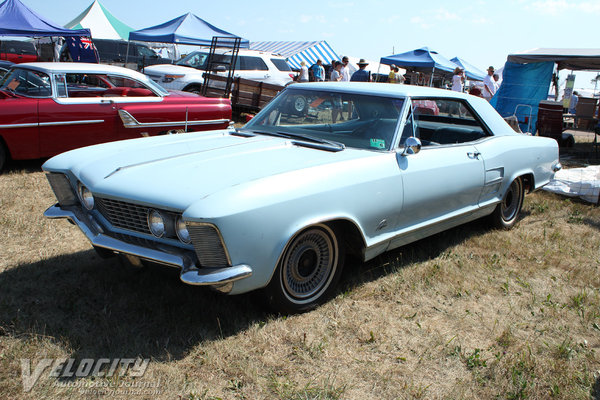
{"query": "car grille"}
pixel 208 245
pixel 124 215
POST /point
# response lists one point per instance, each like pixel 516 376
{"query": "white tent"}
pixel 101 23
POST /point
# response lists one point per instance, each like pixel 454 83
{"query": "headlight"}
pixel 182 232
pixel 171 78
pixel 156 223
pixel 85 196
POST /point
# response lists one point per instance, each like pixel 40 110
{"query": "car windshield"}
pixel 356 120
pixel 27 83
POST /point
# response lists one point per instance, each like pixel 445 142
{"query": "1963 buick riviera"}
pixel 277 204
pixel 49 108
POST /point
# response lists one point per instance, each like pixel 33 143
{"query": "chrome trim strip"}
pixel 29 125
pixel 212 276
pixel 57 123
pixel 82 122
pixel 129 121
pixel 167 255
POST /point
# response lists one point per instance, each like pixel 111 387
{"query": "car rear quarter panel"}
pixel 177 109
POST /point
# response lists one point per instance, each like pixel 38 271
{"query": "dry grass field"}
pixel 472 313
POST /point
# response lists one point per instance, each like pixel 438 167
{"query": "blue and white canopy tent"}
pixel 421 60
pixel 471 72
pixel 296 52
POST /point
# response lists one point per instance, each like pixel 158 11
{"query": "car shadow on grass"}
pixel 94 307
pixel 357 273
pixel 24 166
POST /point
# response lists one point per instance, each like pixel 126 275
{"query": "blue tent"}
pixel 422 59
pixel 186 29
pixel 522 89
pixel 471 72
pixel 16 19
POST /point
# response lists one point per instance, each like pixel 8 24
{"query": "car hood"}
pixel 177 170
pixel 163 69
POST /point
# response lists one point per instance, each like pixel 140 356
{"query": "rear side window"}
pixel 445 121
pixel 252 64
pixel 281 64
pixel 17 47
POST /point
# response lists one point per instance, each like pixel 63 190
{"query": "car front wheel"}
pixel 3 156
pixel 506 213
pixel 309 269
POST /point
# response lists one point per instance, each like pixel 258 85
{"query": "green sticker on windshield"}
pixel 378 143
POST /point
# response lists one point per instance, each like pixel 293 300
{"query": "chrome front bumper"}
pixel 191 274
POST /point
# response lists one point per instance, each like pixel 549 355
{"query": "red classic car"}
pixel 49 108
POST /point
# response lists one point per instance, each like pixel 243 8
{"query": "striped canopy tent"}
pixel 101 22
pixel 296 52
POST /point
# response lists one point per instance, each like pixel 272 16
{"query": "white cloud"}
pixel 305 19
pixel 420 22
pixel 480 20
pixel 444 15
pixel 559 7
pixel 341 4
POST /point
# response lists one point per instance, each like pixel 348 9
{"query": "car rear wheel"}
pixel 309 270
pixel 506 213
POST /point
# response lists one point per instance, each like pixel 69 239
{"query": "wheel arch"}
pixel 351 238
pixel 192 85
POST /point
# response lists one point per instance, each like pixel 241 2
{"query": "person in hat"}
pixel 392 78
pixel 458 79
pixel 362 75
pixel 489 85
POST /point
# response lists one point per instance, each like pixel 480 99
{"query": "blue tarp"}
pixel 186 29
pixel 296 52
pixel 471 72
pixel 523 87
pixel 16 19
pixel 422 58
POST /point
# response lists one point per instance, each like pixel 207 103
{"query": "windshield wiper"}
pixel 314 142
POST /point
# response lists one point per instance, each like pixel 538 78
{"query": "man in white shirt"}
pixel 345 72
pixel 489 85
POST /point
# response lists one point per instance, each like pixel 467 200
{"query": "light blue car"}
pixel 326 169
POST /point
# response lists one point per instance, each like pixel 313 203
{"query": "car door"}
pixel 444 180
pixel 253 68
pixel 77 115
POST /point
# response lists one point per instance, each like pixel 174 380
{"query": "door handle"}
pixel 474 155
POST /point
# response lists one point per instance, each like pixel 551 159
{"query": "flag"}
pixel 82 49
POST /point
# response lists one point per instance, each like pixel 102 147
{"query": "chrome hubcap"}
pixel 309 264
pixel 510 203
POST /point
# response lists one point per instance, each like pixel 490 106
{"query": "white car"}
pixel 187 73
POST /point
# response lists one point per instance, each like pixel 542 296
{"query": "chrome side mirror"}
pixel 412 145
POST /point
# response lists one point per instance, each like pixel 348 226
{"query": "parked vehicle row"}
pixel 278 204
pixel 49 108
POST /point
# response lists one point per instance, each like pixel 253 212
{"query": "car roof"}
pixel 379 89
pixel 56 67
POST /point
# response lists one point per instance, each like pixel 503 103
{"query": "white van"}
pixel 186 74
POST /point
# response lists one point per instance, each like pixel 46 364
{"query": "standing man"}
pixel 345 70
pixel 362 75
pixel 319 71
pixel 489 85
pixel 303 72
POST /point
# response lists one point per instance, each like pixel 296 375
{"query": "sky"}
pixel 479 31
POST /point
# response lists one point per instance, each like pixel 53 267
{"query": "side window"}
pixel 86 85
pixel 252 64
pixel 281 64
pixel 445 121
pixel 29 83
